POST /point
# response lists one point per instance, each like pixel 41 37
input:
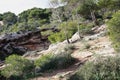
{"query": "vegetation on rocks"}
pixel 58 24
pixel 67 29
pixel 114 30
pixel 17 67
pixel 52 62
pixel 27 20
pixel 102 68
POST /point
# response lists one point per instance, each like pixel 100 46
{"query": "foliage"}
pixel 116 5
pixel 86 7
pixel 47 33
pixel 20 27
pixel 44 62
pixel 51 62
pixel 1 77
pixel 35 14
pixel 103 68
pixel 69 47
pixel 63 60
pixel 67 30
pixel 1 17
pixel 17 66
pixel 58 15
pixel 104 3
pixel 56 37
pixel 85 28
pixel 108 5
pixel 89 9
pixel 3 29
pixel 9 18
pixel 114 30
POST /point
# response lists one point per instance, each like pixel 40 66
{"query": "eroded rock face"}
pixel 21 42
pixel 8 49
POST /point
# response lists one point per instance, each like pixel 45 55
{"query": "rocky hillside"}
pixel 86 49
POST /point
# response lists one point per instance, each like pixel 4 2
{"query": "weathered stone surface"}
pixel 21 42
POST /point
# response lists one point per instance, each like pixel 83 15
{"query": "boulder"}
pixel 98 29
pixel 75 37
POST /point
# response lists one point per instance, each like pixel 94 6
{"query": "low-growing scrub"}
pixel 103 68
pixel 114 30
pixel 17 67
pixel 1 77
pixel 43 63
pixel 52 62
pixel 69 47
pixel 67 29
pixel 86 28
pixel 56 37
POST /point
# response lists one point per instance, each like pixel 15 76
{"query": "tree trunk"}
pixel 66 34
pixel 78 24
pixel 93 17
pixel 67 40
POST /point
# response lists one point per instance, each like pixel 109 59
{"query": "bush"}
pixel 86 28
pixel 104 68
pixel 114 30
pixel 51 62
pixel 17 66
pixel 1 77
pixel 63 60
pixel 69 48
pixel 43 62
pixel 56 37
pixel 67 30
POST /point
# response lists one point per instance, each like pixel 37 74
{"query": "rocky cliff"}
pixel 21 42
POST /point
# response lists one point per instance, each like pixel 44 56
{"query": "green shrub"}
pixel 69 48
pixel 86 45
pixel 63 60
pixel 43 62
pixel 51 62
pixel 100 22
pixel 104 68
pixel 17 66
pixel 47 33
pixel 1 77
pixel 67 30
pixel 56 37
pixel 0 74
pixel 86 28
pixel 114 30
pixel 69 26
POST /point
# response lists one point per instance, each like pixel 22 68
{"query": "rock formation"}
pixel 21 42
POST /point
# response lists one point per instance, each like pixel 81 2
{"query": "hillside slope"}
pixel 86 49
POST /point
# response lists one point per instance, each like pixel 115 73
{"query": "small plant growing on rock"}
pixel 69 47
pixel 87 46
